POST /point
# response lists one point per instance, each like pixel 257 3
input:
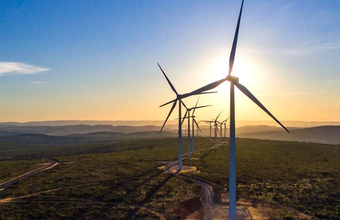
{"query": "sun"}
pixel 243 69
pixel 245 72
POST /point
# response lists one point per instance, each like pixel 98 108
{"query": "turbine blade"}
pixel 195 106
pixel 172 108
pixel 257 102
pixel 209 92
pixel 184 117
pixel 225 121
pixel 167 79
pixel 197 126
pixel 184 104
pixel 218 129
pixel 218 115
pixel 205 88
pixel 168 103
pixel 202 106
pixel 233 50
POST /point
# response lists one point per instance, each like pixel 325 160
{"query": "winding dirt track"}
pixel 208 194
pixel 208 197
pixel 49 165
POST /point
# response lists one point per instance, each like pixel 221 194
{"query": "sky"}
pixel 97 60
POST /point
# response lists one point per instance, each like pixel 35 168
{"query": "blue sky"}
pixel 97 60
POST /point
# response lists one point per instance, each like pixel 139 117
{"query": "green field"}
pixel 14 168
pixel 105 185
pixel 299 175
pixel 121 181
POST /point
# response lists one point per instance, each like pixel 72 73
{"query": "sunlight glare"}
pixel 243 69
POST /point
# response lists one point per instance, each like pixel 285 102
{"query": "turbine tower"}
pixel 220 131
pixel 234 81
pixel 188 116
pixel 193 131
pixel 225 128
pixel 216 129
pixel 193 125
pixel 178 98
pixel 210 122
pixel 197 127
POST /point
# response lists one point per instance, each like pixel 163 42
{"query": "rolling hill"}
pixel 88 138
pixel 321 134
pixel 73 129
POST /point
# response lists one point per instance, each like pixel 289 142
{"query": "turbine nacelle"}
pixel 232 79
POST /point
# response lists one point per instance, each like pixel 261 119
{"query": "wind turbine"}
pixel 225 128
pixel 193 131
pixel 234 81
pixel 193 123
pixel 188 111
pixel 197 127
pixel 221 132
pixel 216 129
pixel 210 122
pixel 178 98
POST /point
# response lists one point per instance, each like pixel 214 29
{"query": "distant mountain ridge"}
pixel 320 134
pixel 98 133
pixel 74 129
pixel 87 122
pixel 88 138
pixel 171 123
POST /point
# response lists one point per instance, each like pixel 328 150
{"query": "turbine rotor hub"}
pixel 232 79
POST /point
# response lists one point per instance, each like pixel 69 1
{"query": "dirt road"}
pixel 50 164
pixel 208 193
pixel 208 197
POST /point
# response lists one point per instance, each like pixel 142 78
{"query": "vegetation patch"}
pixel 303 176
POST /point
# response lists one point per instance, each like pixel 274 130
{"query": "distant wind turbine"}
pixel 216 129
pixel 209 122
pixel 234 81
pixel 178 98
pixel 197 127
pixel 193 131
pixel 187 115
pixel 225 128
pixel 223 125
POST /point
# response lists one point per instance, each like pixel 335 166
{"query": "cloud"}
pixel 19 68
pixel 307 49
pixel 39 82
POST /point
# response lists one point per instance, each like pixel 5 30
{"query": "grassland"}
pixel 303 176
pixel 100 184
pixel 120 180
pixel 11 169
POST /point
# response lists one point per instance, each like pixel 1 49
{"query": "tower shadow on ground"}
pixel 133 212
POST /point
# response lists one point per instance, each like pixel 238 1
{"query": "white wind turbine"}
pixel 216 129
pixel 225 128
pixel 223 125
pixel 234 81
pixel 209 122
pixel 193 131
pixel 188 116
pixel 178 98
